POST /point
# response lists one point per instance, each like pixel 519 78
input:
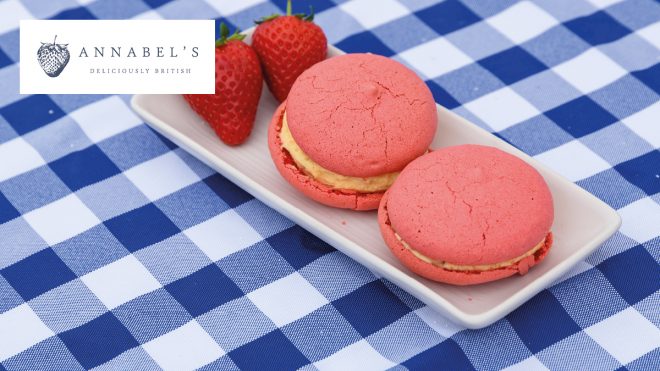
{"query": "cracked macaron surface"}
pixel 361 115
pixel 477 212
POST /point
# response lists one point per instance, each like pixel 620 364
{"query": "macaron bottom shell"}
pixel 454 277
pixel 319 192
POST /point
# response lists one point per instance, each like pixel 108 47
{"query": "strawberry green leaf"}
pixel 224 35
pixel 266 18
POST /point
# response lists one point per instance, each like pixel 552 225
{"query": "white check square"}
pixel 590 71
pixel 186 348
pixel 574 161
pixel 287 299
pixel 151 14
pixel 522 22
pixel 225 7
pixel 502 108
pixel 646 123
pixel 62 219
pixel 371 15
pixel 223 235
pixel 640 219
pixel 120 281
pixel 105 118
pixel 11 11
pixel 651 34
pixel 626 335
pixel 20 328
pixel 346 358
pixel 161 176
pixel 17 157
pixel 435 58
pixel 438 322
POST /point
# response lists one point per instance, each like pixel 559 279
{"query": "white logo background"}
pixel 110 74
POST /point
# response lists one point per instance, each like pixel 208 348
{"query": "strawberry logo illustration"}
pixel 53 57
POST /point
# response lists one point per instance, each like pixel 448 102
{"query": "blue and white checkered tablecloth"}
pixel 119 250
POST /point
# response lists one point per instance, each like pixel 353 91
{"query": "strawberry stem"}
pixel 224 35
pixel 288 7
pixel 54 39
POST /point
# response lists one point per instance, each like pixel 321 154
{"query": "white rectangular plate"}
pixel 582 222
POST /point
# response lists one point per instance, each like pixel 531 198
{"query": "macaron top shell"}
pixel 361 115
pixel 470 205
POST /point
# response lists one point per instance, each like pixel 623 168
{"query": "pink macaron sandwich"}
pixel 350 124
pixel 468 214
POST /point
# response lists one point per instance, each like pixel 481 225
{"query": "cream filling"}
pixel 337 181
pixel 480 268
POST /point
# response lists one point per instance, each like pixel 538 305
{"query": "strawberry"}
pixel 238 83
pixel 287 46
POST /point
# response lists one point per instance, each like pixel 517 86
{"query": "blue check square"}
pixel 597 28
pixel 364 42
pixel 204 290
pixel 448 16
pixel 7 210
pixel 303 7
pixel 156 3
pixel 650 77
pixel 37 274
pixel 4 59
pixel 642 171
pixel 357 308
pixel 141 227
pixel 98 341
pixel 446 356
pixel 555 326
pixel 581 116
pixel 632 284
pixel 298 246
pixel 75 13
pixel 500 65
pixel 272 351
pixel 31 113
pixel 230 193
pixel 82 168
pixel 441 96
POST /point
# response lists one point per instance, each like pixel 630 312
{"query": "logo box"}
pixel 117 57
